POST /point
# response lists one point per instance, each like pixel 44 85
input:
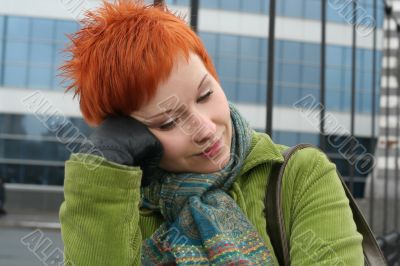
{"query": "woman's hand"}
pixel 124 140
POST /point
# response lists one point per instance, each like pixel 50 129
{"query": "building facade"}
pixel 235 33
pixel 385 174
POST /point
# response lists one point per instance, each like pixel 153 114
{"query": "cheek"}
pixel 173 144
pixel 222 106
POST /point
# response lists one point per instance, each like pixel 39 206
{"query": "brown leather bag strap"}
pixel 372 253
pixel 275 222
pixel 274 211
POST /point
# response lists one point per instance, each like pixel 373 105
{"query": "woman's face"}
pixel 199 119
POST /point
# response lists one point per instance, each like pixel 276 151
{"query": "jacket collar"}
pixel 262 150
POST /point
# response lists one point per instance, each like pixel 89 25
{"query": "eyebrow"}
pixel 170 110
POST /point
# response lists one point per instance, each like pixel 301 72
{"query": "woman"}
pixel 173 174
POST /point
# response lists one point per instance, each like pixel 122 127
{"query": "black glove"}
pixel 124 140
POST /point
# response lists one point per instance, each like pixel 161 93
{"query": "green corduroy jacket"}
pixel 101 223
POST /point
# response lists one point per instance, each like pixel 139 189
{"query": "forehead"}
pixel 181 85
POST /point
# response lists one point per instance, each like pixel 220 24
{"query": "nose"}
pixel 206 131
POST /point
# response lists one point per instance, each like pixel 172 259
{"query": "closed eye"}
pixel 205 96
pixel 172 123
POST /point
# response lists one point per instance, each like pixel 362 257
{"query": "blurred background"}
pixel 304 71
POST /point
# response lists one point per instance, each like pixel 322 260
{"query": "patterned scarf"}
pixel 203 224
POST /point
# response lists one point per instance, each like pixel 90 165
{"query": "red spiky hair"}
pixel 122 53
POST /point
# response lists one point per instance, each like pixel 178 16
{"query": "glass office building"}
pixel 235 33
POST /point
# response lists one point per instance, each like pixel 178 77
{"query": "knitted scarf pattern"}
pixel 203 224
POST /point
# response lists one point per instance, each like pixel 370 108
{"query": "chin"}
pixel 199 164
pixel 218 165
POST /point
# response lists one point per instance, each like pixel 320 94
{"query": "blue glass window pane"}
pixel 41 53
pixel 346 12
pixel 277 94
pixel 380 17
pixel 230 4
pixel 367 81
pixel 333 99
pixel 293 8
pixel 291 51
pixel 210 42
pixel 213 59
pixel 28 125
pixel 265 6
pixel 18 28
pixel 333 78
pixel 42 29
pixel 279 50
pixel 377 84
pixel 334 55
pixel 16 52
pixel 228 44
pixel 11 124
pixel 60 56
pixel 346 82
pixel 1 43
pixel 347 56
pixel 56 81
pixel 359 102
pixel 367 102
pixel 333 11
pixel 366 18
pixel 280 8
pixel 288 138
pixel 65 27
pixel 29 149
pixel 346 100
pixel 360 58
pixel 359 81
pixel 262 93
pixel 368 59
pixel 263 49
pixel 249 47
pixel 291 73
pixel 15 76
pixel 227 67
pixel 209 4
pixel 378 62
pixel 311 75
pixel 289 95
pixel 263 72
pixel 312 9
pixel 39 77
pixel 311 53
pixel 377 103
pixel 182 2
pixel 252 6
pixel 310 92
pixel 10 149
pixel 278 72
pixel 309 138
pixel 1 26
pixel 229 88
pixel 248 69
pixel 2 155
pixel 247 92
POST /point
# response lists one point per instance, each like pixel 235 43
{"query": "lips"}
pixel 212 150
